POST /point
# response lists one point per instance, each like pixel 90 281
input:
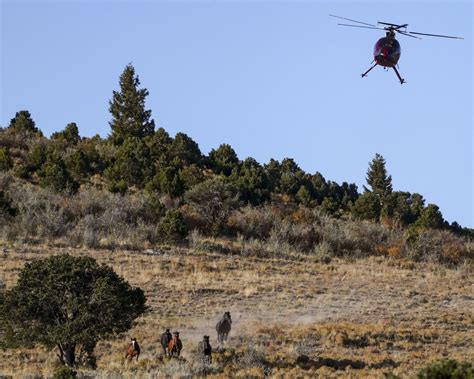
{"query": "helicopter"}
pixel 387 50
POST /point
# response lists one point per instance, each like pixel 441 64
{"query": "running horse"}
pixel 133 350
pixel 175 345
pixel 223 327
pixel 205 350
pixel 165 339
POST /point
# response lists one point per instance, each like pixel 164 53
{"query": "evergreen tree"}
pixel 431 217
pixel 167 181
pixel 320 187
pixel 377 178
pixel 23 123
pixel 252 182
pixel 55 175
pixel 367 207
pixel 184 151
pixel 329 206
pixel 397 208
pixel 223 160
pixel 172 228
pixel 132 163
pixel 290 179
pixel 70 303
pixel 303 196
pixel 69 135
pixel 159 145
pixel 191 176
pixel 417 204
pixel 380 183
pixel 273 171
pixel 129 117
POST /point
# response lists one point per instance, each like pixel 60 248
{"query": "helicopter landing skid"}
pixel 399 77
pixel 365 73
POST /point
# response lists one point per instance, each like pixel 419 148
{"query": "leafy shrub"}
pixel 447 369
pixel 172 227
pixel 64 372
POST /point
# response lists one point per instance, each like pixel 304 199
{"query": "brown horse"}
pixel 133 350
pixel 175 345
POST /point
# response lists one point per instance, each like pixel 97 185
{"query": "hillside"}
pixel 363 318
pixel 321 279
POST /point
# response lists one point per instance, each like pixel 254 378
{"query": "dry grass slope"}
pixel 361 318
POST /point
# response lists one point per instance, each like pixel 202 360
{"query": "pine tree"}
pixel 377 178
pixel 380 183
pixel 129 117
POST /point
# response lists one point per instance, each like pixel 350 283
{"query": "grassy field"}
pixel 291 318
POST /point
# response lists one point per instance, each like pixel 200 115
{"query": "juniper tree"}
pixel 252 182
pixel 431 217
pixel 70 303
pixel 129 117
pixel 223 159
pixel 69 135
pixel 23 123
pixel 184 151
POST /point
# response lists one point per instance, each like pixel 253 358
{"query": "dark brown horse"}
pixel 133 350
pixel 175 345
pixel 223 327
pixel 165 339
pixel 205 351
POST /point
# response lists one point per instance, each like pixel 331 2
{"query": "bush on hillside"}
pixel 447 369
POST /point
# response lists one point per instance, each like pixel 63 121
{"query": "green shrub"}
pixel 447 369
pixel 172 227
pixel 64 372
pixel 6 161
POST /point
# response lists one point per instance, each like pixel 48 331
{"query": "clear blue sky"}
pixel 272 79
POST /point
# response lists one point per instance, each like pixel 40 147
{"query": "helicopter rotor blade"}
pixel 436 35
pixel 408 35
pixel 359 26
pixel 395 25
pixel 348 19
